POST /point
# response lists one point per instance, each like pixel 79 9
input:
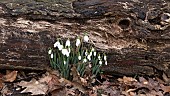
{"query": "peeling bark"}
pixel 134 33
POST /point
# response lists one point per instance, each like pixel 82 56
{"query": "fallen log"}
pixel 134 33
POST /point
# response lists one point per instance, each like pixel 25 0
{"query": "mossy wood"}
pixel 134 33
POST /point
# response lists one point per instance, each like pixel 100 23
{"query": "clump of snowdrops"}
pixel 64 54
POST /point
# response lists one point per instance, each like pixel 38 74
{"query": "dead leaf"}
pixel 10 77
pixel 76 75
pixel 1 81
pixel 52 81
pixel 76 85
pixel 34 86
pixel 5 91
pixel 165 88
pixel 149 84
pixel 1 84
pixel 59 92
pixel 126 79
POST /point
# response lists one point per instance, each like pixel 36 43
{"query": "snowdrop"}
pixel 86 53
pixel 105 62
pixel 100 62
pixel 79 57
pixel 84 60
pixel 78 42
pixel 49 51
pixel 86 38
pixel 56 44
pixel 105 58
pixel 95 53
pixel 64 62
pixel 92 49
pixel 52 55
pixel 89 57
pixel 99 57
pixel 68 43
pixel 60 47
pixel 65 52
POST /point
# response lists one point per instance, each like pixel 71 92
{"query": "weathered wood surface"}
pixel 135 33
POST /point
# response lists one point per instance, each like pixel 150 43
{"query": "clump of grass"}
pixel 64 54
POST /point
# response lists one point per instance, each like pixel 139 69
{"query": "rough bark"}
pixel 135 33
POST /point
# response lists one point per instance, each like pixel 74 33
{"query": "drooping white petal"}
pixel 78 42
pixel 56 44
pixel 89 57
pixel 60 47
pixel 67 54
pixel 86 53
pixel 79 57
pixel 52 55
pixel 92 49
pixel 95 53
pixel 86 38
pixel 64 51
pixel 100 62
pixel 68 43
pixel 99 57
pixel 105 62
pixel 84 60
pixel 64 62
pixel 49 51
pixel 105 57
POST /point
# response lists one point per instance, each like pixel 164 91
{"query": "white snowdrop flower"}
pixel 95 53
pixel 64 51
pixel 105 57
pixel 92 49
pixel 78 42
pixel 49 51
pixel 99 57
pixel 79 57
pixel 89 57
pixel 68 43
pixel 100 62
pixel 64 62
pixel 84 60
pixel 60 47
pixel 56 44
pixel 105 62
pixel 52 55
pixel 67 54
pixel 86 38
pixel 86 53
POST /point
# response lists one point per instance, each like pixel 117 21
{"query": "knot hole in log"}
pixel 124 23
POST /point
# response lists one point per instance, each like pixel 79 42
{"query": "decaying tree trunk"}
pixel 135 33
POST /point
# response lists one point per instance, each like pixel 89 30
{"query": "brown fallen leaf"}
pixel 52 80
pixel 10 77
pixel 127 79
pixel 59 92
pixel 1 84
pixel 34 86
pixel 165 88
pixel 76 85
pixel 5 91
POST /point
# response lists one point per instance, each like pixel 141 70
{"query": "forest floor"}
pixel 49 83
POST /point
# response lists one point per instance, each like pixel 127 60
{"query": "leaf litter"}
pixel 51 84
